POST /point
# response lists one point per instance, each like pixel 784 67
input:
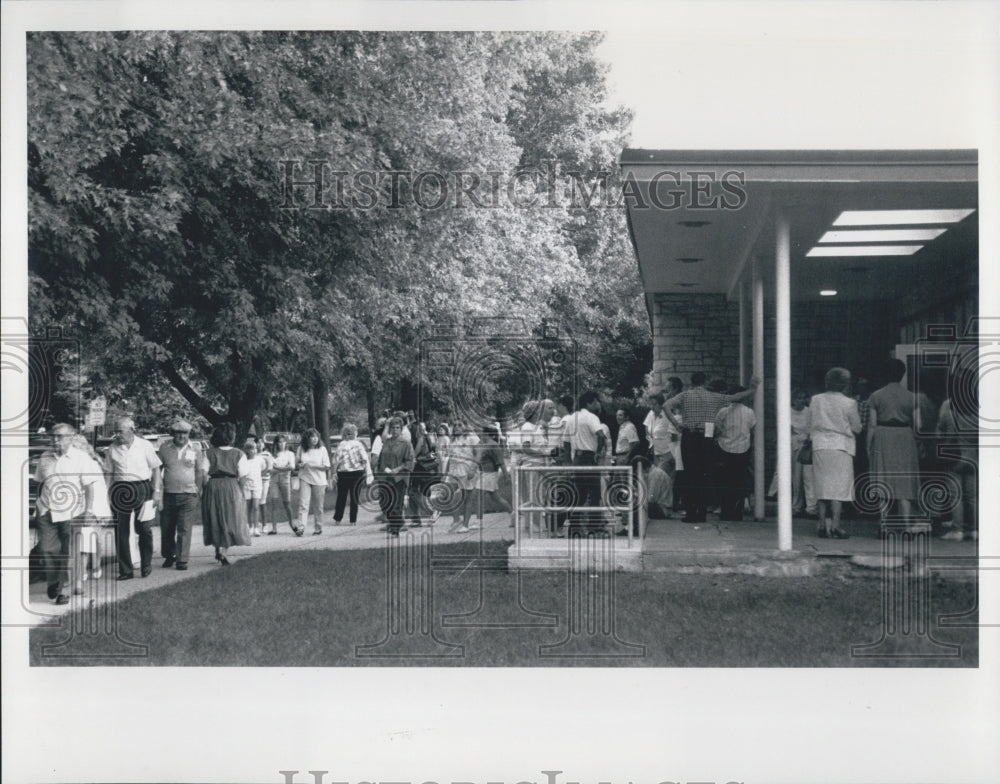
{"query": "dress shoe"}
pixel 146 571
pixel 181 566
pixel 168 562
pixel 62 599
pixel 53 590
pixel 223 560
pixel 127 576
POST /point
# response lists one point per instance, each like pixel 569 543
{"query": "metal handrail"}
pixel 523 475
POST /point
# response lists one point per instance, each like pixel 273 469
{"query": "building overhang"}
pixel 698 218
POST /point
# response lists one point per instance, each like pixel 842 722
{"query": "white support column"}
pixel 783 379
pixel 744 323
pixel 758 399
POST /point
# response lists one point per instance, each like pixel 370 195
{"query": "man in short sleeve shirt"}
pixel 183 477
pixel 699 407
pixel 132 466
pixel 586 441
pixel 69 482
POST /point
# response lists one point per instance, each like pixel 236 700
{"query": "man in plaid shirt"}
pixel 699 407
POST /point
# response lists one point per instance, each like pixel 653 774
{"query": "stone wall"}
pixel 694 332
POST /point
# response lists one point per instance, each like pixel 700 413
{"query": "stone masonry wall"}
pixel 695 332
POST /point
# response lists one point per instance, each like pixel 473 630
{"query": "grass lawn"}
pixel 316 609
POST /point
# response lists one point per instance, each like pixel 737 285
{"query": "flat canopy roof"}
pixel 697 218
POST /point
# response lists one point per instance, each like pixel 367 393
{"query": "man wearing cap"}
pixel 183 477
pixel 72 492
pixel 132 467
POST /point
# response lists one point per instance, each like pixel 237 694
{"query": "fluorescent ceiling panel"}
pixel 899 217
pixel 864 250
pixel 882 235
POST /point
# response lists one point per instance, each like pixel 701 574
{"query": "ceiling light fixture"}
pixel 899 217
pixel 863 250
pixel 828 293
pixel 882 235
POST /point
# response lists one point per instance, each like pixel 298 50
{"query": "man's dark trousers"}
pixel 126 498
pixel 54 540
pixel 588 491
pixel 696 452
pixel 181 512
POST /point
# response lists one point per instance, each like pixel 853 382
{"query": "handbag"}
pixel 805 456
pixel 427 462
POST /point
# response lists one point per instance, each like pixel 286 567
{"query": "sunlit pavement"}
pixel 736 539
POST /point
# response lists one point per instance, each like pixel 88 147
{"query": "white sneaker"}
pixel 473 526
pixel 955 535
pixel 462 529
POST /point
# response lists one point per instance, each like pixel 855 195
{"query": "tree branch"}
pixel 196 400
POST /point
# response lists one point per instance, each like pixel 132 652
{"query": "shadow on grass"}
pixel 339 608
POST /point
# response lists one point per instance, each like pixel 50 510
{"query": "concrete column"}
pixel 758 400
pixel 783 379
pixel 744 324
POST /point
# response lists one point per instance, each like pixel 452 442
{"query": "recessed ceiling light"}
pixel 828 293
pixel 882 235
pixel 693 224
pixel 864 250
pixel 688 259
pixel 899 217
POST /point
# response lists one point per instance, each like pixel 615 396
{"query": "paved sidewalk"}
pixel 367 534
pixel 732 540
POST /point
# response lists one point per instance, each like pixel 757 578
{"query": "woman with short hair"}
pixel 892 449
pixel 833 423
pixel 223 508
pixel 350 462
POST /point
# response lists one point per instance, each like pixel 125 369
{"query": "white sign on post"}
pixel 97 411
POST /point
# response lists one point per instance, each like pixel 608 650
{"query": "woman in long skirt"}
pixel 892 448
pixel 223 508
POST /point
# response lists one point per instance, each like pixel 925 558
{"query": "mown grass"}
pixel 319 609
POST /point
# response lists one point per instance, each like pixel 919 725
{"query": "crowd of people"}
pixel 693 447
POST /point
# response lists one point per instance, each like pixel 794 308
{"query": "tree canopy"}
pixel 173 228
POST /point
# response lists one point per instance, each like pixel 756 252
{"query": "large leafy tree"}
pixel 160 221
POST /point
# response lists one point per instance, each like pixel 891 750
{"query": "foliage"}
pixel 159 225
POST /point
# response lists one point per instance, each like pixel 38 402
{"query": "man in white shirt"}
pixel 628 437
pixel 131 465
pixel 586 441
pixel 734 427
pixel 71 492
pixel 183 477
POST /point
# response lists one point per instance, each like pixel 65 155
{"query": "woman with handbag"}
pixel 834 422
pixel 426 471
pixel 350 462
pixel 803 497
pixel 395 462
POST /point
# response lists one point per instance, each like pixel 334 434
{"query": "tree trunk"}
pixel 370 398
pixel 321 413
